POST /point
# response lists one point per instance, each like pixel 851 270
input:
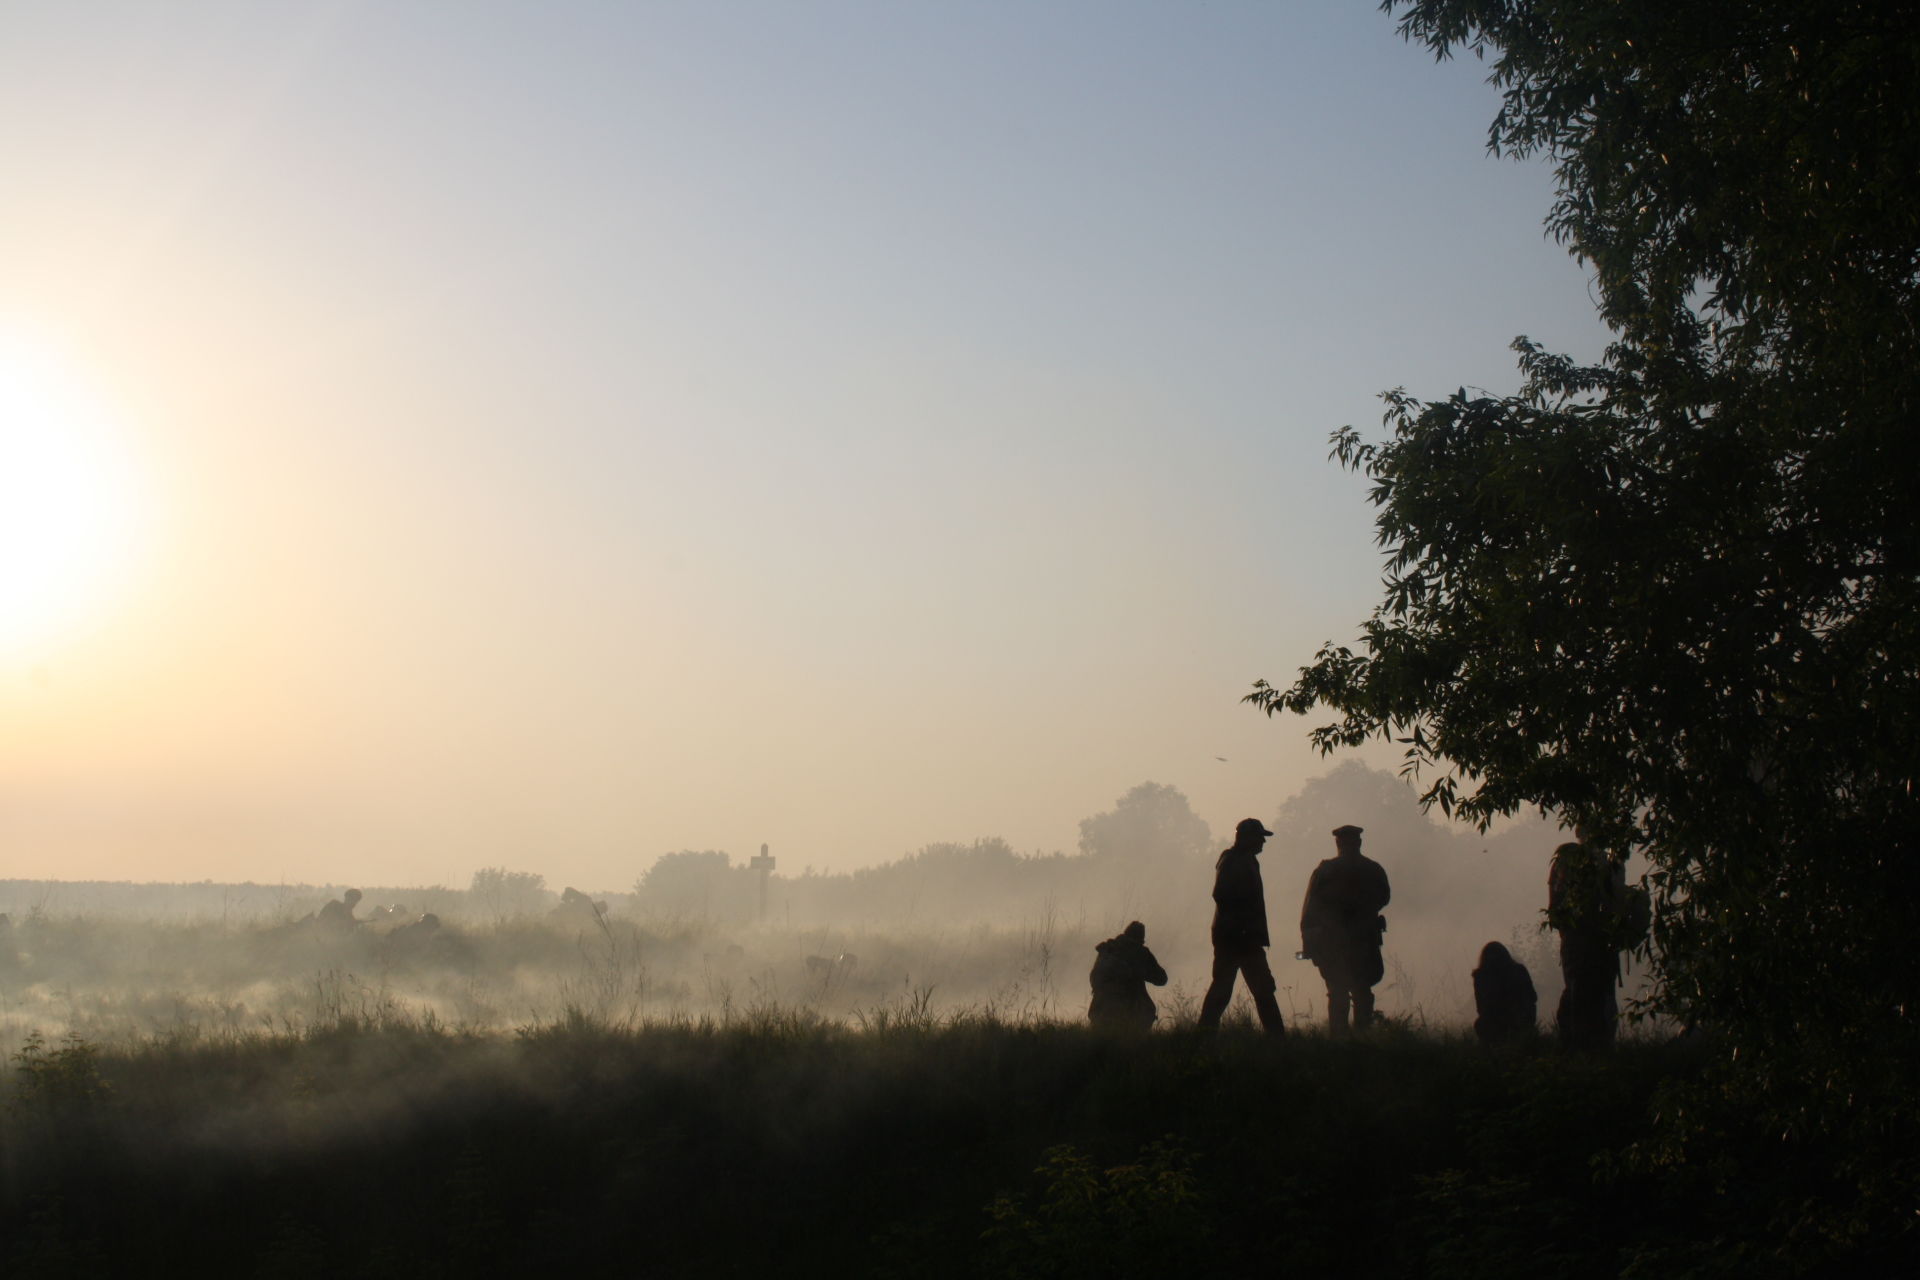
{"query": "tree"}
pixel 701 884
pixel 1351 792
pixel 1150 824
pixel 1675 596
pixel 503 893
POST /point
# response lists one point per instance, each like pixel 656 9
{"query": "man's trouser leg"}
pixel 1220 991
pixel 1362 1008
pixel 1337 998
pixel 1260 982
pixel 1566 1022
pixel 1588 1013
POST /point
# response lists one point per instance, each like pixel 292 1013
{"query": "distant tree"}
pixel 501 893
pixel 1150 824
pixel 949 881
pixel 1383 805
pixel 702 884
pixel 1675 596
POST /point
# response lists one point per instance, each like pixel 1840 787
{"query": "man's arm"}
pixel 1151 970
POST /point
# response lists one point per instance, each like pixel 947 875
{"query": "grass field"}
pixel 207 1098
pixel 914 1145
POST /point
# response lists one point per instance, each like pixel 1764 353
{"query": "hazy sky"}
pixel 554 434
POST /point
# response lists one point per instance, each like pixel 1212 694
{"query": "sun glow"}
pixel 69 499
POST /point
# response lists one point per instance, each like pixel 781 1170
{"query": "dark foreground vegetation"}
pixel 913 1146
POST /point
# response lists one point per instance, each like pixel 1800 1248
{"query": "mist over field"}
pixel 471 473
pixel 949 929
pixel 889 1071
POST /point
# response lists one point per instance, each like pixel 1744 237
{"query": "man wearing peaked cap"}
pixel 1340 928
pixel 1240 931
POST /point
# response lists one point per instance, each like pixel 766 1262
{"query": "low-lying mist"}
pixel 949 930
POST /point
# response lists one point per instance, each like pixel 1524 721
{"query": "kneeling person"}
pixel 1121 971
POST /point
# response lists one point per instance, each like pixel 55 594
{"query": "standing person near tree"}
pixel 1597 917
pixel 1340 928
pixel 1240 931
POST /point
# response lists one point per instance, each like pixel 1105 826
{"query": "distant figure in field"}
pixel 415 935
pixel 1503 997
pixel 1597 917
pixel 1340 928
pixel 1122 968
pixel 1240 931
pixel 428 942
pixel 577 907
pixel 338 914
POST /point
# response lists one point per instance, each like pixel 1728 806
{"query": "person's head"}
pixel 1589 838
pixel 1135 931
pixel 1250 834
pixel 351 897
pixel 1347 839
pixel 1495 956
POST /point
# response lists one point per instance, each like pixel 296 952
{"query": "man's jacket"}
pixel 1239 900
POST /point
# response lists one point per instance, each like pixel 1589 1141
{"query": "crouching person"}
pixel 1122 968
pixel 1503 997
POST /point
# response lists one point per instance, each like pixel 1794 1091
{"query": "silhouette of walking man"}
pixel 1340 928
pixel 1240 931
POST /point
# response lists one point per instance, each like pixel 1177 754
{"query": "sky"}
pixel 451 434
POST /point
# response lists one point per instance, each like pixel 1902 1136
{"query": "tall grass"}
pixel 907 1142
pixel 667 1095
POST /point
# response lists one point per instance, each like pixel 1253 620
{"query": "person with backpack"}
pixel 1122 968
pixel 1597 917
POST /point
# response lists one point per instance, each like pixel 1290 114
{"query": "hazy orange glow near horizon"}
pixel 436 436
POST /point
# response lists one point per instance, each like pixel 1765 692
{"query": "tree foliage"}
pixel 1675 596
pixel 504 893
pixel 699 884
pixel 1151 823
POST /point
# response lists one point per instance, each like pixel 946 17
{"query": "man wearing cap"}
pixel 1240 931
pixel 1340 928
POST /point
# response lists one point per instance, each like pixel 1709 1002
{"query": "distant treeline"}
pixel 237 904
pixel 1150 858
